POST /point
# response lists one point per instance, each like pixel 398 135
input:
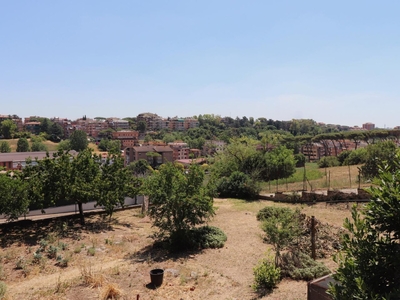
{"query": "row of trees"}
pixel 70 179
pixel 51 130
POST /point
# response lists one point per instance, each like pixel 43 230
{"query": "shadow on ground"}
pixel 30 232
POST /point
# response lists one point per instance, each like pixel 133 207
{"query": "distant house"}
pixel 155 155
pixel 33 127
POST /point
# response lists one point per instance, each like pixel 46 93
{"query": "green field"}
pixel 333 178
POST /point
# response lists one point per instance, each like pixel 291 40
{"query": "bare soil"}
pixel 117 256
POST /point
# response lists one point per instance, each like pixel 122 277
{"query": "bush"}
pixel 328 161
pixel 300 266
pixel 52 251
pixel 3 289
pixel 238 185
pixel 203 237
pixel 343 156
pixel 208 237
pixel 300 160
pixel 356 157
pixel 273 211
pixel 266 276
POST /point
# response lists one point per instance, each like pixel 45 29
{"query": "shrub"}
pixel 208 237
pixel 91 251
pixel 328 161
pixel 266 276
pixel 37 257
pixel 3 289
pixel 300 266
pixel 356 157
pixel 63 246
pixel 273 211
pixel 43 244
pixel 21 263
pixel 238 185
pixel 52 251
pixel 300 160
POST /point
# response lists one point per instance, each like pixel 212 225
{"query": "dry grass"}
pixel 91 278
pixel 110 291
pixel 51 146
pixel 124 257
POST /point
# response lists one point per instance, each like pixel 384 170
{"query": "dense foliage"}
pixel 266 276
pixel 180 202
pixel 369 265
pixel 78 179
pixel 241 167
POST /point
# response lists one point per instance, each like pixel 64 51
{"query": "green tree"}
pixel 141 126
pixel 8 128
pixel 64 145
pixel 45 125
pixel 179 200
pixel 14 200
pixel 5 147
pixel 78 140
pixel 369 264
pixel 23 145
pixel 113 184
pixel 376 154
pixel 56 132
pixel 38 146
pixel 140 167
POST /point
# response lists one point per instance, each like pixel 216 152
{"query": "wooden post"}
pixel 313 255
pixel 329 181
pixel 349 175
pixel 145 205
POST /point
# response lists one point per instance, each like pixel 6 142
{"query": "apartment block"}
pixel 128 138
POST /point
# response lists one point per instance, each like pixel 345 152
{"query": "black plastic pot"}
pixel 157 276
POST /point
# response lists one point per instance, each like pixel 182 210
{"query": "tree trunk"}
pixel 81 213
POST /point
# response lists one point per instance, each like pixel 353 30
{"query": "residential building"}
pixel 368 126
pixel 149 118
pixel 155 155
pixel 190 123
pixel 17 160
pixel 117 124
pixel 128 138
pixel 212 147
pixel 181 150
pixel 32 127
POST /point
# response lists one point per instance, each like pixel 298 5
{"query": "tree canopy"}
pixel 180 201
pixel 8 129
pixel 78 140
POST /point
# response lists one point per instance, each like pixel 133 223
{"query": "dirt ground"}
pixel 117 256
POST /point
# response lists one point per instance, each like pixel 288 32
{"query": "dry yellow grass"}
pixel 91 278
pixel 51 146
pixel 110 291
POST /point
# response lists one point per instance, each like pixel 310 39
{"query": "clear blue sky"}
pixel 332 61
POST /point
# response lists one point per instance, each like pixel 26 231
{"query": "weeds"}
pixel 3 289
pixel 91 251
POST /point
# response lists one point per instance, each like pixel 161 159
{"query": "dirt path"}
pixel 49 282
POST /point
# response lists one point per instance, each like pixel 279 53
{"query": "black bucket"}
pixel 157 276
